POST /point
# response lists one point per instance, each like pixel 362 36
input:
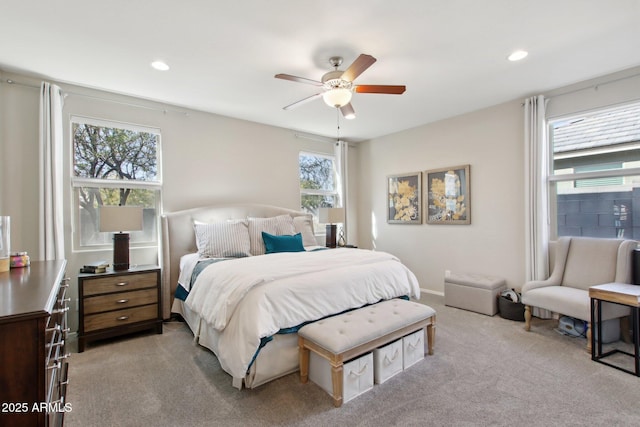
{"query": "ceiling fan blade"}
pixel 298 79
pixel 387 89
pixel 361 63
pixel 302 101
pixel 348 112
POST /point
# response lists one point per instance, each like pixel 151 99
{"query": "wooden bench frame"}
pixel 337 360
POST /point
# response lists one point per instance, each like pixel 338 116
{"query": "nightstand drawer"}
pixel 127 282
pixel 98 304
pixel 111 319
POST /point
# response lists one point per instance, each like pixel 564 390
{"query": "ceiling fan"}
pixel 338 87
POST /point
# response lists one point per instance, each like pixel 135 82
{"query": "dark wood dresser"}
pixel 33 358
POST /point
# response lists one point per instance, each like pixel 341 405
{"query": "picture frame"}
pixel 404 198
pixel 448 195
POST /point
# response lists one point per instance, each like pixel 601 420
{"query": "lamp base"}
pixel 120 251
pixel 331 235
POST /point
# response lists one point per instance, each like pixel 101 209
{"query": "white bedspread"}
pixel 254 297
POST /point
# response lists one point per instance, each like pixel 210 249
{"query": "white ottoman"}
pixel 473 292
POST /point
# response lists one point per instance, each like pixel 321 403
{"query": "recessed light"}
pixel 518 55
pixel 159 65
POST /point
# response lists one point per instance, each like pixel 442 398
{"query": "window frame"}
pixel 553 179
pixel 319 228
pixel 154 185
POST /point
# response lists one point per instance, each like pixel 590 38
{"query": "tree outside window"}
pixel 318 187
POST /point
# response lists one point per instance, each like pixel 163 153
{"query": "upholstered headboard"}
pixel 178 237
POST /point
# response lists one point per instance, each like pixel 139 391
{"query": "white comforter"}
pixel 250 298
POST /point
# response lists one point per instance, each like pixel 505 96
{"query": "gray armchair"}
pixel 581 262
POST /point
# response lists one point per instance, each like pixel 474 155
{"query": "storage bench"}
pixel 473 292
pixel 351 335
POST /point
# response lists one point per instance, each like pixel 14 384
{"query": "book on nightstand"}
pixel 95 267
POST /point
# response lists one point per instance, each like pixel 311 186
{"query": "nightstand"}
pixel 118 303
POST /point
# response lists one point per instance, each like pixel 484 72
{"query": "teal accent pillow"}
pixel 274 244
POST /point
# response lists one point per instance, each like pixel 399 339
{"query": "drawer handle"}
pixel 395 356
pixel 362 371
pixel 54 329
pixel 122 318
pixel 122 301
pixel 122 283
pixel 55 344
pixel 414 346
pixel 61 310
pixel 64 356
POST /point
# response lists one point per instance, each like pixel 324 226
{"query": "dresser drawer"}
pixel 101 303
pixel 127 282
pixel 127 316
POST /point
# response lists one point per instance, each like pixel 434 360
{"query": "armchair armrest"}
pixel 534 284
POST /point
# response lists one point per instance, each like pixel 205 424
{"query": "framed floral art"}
pixel 448 196
pixel 404 200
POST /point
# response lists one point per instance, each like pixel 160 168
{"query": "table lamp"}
pixel 331 217
pixel 120 220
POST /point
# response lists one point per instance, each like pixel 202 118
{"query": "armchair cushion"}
pixel 572 302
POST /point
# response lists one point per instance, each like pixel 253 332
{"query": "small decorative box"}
pixel 19 259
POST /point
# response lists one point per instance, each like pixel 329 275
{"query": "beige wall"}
pixel 206 159
pixel 490 141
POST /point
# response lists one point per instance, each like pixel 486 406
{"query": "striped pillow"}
pixel 223 239
pixel 277 226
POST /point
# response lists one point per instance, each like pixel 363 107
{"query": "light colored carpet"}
pixel 486 371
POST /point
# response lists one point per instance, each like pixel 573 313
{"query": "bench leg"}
pixel 336 382
pixel 303 355
pixel 431 336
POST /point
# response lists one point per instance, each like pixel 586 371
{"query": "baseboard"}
pixel 429 291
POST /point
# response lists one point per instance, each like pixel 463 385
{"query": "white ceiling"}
pixel 223 55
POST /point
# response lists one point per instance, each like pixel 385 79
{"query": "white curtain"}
pixel 51 227
pixel 536 166
pixel 340 156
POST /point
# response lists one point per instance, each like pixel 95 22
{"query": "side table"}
pixel 119 302
pixel 617 293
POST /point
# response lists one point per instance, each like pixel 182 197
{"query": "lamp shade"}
pixel 331 215
pixel 120 218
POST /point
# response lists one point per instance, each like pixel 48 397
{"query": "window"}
pixel 318 188
pixel 595 179
pixel 114 164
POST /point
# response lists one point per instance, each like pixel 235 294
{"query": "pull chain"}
pixel 338 125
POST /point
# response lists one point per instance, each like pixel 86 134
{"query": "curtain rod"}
pixel 130 104
pixel 13 82
pixel 594 86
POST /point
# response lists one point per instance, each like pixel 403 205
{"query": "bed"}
pixel 244 297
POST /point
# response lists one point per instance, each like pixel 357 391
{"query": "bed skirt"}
pixel 276 359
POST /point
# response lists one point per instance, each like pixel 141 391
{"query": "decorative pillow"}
pixel 275 244
pixel 222 239
pixel 277 226
pixel 304 226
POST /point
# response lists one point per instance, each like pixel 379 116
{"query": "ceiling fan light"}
pixel 337 97
pixel 348 112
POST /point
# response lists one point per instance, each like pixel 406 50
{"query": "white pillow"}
pixel 222 239
pixel 304 226
pixel 278 226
